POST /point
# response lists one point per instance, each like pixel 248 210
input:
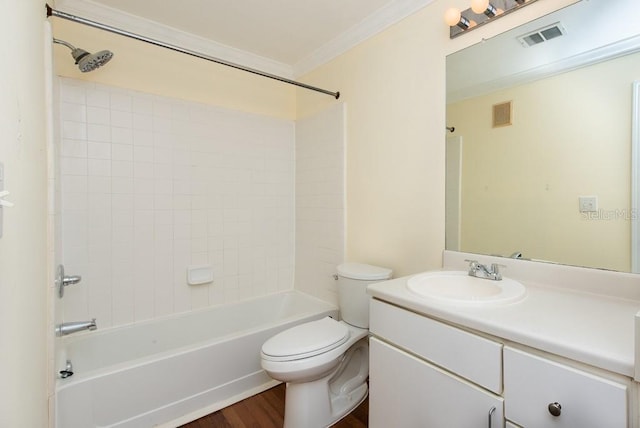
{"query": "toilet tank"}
pixel 353 299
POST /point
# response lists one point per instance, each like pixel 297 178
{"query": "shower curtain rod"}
pixel 64 15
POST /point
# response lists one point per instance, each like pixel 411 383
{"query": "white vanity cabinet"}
pixel 427 373
pixel 424 373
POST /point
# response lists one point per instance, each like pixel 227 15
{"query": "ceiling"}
pixel 287 32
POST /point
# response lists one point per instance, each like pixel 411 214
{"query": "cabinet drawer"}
pixel 531 383
pixel 467 355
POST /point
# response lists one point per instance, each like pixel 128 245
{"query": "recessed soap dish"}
pixel 200 274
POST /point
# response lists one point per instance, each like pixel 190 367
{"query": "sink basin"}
pixel 458 288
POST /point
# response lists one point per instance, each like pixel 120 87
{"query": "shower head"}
pixel 86 61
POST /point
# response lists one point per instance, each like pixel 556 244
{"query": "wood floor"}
pixel 266 410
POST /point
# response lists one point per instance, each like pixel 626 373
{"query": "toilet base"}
pixel 323 402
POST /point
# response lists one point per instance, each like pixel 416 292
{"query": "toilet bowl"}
pixel 325 363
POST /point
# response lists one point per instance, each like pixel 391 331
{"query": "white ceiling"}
pixel 294 34
pixel 283 30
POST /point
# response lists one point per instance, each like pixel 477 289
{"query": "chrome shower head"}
pixel 89 62
pixel 86 61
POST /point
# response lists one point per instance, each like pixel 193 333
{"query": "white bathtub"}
pixel 170 371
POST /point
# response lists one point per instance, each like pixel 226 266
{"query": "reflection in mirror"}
pixel 539 162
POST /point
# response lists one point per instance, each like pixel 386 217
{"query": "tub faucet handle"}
pixel 63 280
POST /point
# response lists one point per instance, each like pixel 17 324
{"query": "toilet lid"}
pixel 306 340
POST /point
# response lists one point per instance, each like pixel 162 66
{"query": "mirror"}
pixel 540 160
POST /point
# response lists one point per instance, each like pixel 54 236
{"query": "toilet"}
pixel 325 363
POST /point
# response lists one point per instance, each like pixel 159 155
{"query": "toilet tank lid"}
pixel 363 271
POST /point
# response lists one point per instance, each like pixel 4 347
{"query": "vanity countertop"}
pixel 582 326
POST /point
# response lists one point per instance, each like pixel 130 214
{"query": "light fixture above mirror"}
pixel 480 13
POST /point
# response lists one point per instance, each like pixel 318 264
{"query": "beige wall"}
pixel 393 85
pixel 573 140
pixel 23 309
pixel 143 67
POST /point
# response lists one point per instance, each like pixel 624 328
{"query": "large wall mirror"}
pixel 539 164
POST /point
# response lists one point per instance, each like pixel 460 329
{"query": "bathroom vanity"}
pixel 562 356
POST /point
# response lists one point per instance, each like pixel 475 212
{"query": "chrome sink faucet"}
pixel 479 270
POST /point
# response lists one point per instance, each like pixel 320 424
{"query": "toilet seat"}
pixel 306 340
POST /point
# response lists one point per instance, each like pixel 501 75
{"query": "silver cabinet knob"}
pixel 555 408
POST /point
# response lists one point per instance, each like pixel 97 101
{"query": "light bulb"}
pixel 479 6
pixel 452 17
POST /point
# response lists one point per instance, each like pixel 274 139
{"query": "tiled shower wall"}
pixel 151 185
pixel 320 201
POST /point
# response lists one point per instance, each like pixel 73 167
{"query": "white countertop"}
pixel 582 326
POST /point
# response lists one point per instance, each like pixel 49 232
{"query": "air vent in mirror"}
pixel 542 35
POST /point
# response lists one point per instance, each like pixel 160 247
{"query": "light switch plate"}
pixel 588 204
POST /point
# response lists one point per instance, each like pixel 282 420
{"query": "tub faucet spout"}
pixel 73 327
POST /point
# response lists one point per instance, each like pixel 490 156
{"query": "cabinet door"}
pixel 407 392
pixel 532 383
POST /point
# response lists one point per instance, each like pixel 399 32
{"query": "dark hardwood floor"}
pixel 266 410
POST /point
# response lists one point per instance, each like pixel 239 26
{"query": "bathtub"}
pixel 173 370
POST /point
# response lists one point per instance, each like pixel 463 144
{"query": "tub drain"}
pixel 65 373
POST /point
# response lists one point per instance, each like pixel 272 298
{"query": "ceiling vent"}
pixel 542 35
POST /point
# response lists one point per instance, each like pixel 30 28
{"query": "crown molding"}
pixel 135 24
pixel 375 23
pixel 370 26
pixel 608 52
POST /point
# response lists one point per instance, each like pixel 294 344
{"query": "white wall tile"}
pixel 97 185
pixel 73 112
pixel 162 155
pixel 97 98
pixel 142 121
pixel 74 130
pixel 72 93
pixel 74 184
pixel 122 185
pixel 101 133
pixel 98 116
pixel 121 119
pixel 150 185
pixel 319 202
pixel 98 150
pixel 74 148
pixel 121 135
pixel 142 186
pixel 99 167
pixel 142 138
pixel 121 102
pixel 73 166
pixel 143 154
pixel 143 169
pixel 121 152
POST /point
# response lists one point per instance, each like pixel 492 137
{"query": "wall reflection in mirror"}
pixel 540 161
